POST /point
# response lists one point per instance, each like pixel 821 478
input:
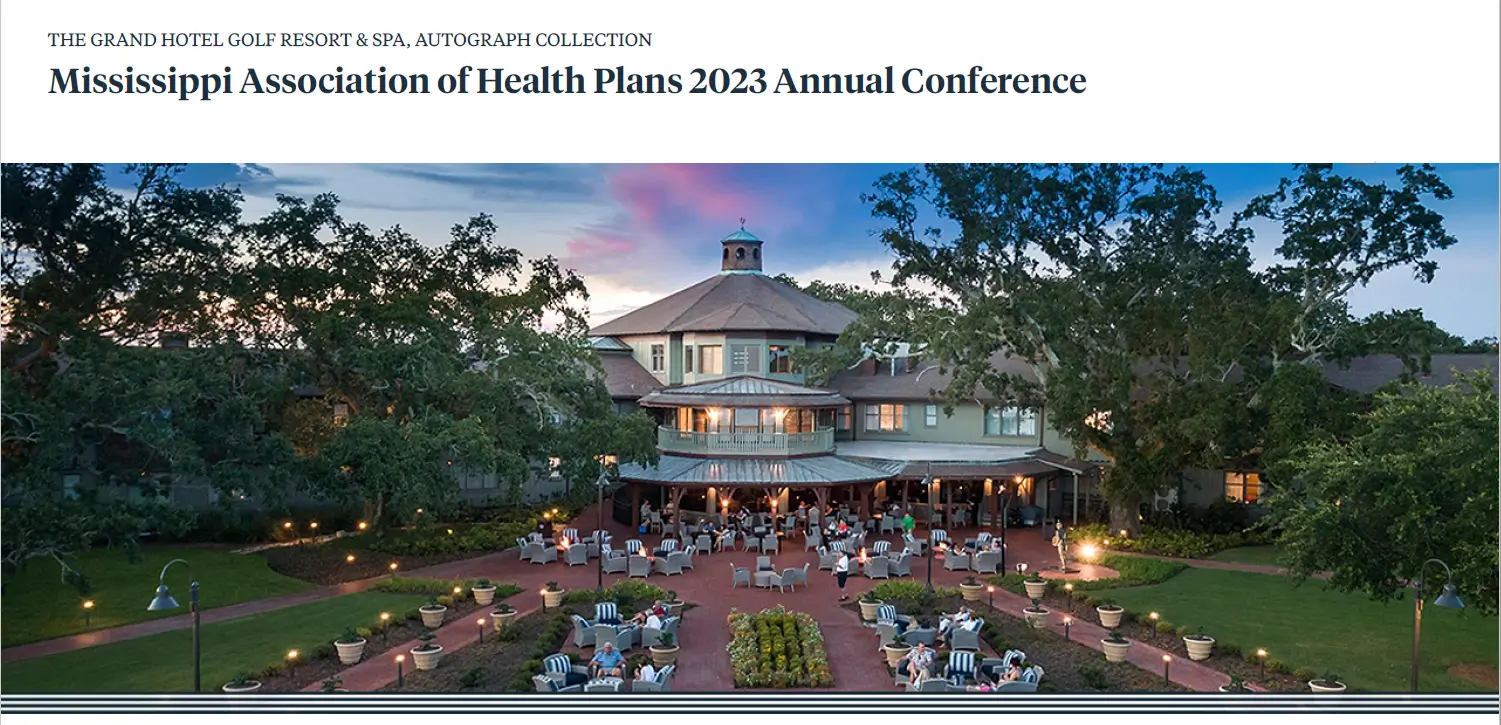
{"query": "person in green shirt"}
pixel 908 523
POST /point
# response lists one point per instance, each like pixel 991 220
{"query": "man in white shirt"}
pixel 842 571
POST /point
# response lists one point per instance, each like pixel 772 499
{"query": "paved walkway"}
pixel 1227 565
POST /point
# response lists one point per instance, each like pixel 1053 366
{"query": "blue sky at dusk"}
pixel 640 232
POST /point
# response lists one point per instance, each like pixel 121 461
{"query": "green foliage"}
pixel 333 684
pixel 777 649
pixel 1369 511
pixel 472 678
pixel 554 628
pixel 1094 677
pixel 350 636
pixel 437 589
pixel 1169 542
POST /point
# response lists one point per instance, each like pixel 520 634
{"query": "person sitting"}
pixel 657 609
pixel 1013 671
pixel 948 623
pixel 917 662
pixel 606 662
pixel 710 528
pixel 646 673
pixel 842 528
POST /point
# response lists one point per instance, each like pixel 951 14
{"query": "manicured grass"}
pixel 1262 555
pixel 37 605
pixel 1368 643
pixel 163 662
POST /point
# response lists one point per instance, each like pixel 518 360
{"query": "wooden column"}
pixel 635 507
pixel 905 494
pixel 993 493
pixel 948 505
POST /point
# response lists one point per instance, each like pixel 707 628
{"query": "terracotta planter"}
pixel 483 596
pixel 1115 651
pixel 868 609
pixel 1199 648
pixel 895 653
pixel 552 600
pixel 432 615
pixel 675 608
pixel 243 689
pixel 1038 618
pixel 1110 618
pixel 350 652
pixel 971 592
pixel 1326 687
pixel 501 620
pixel 663 656
pixel 427 659
pixel 1036 590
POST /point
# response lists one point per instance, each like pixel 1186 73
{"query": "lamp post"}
pixel 928 482
pixel 399 659
pixel 1261 657
pixel 1067 622
pixel 1153 617
pixel 164 601
pixel 1167 661
pixel 88 609
pixel 599 530
pixel 1447 598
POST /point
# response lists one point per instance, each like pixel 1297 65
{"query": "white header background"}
pixel 1168 81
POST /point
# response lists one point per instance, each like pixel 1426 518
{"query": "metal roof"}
pixel 608 344
pixel 741 236
pixel 625 378
pixel 814 471
pixel 745 390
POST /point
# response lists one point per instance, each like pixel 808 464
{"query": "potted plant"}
pixel 351 646
pixel 242 685
pixel 674 605
pixel 502 616
pixel 1110 614
pixel 970 589
pixel 665 651
pixel 334 684
pixel 484 592
pixel 1036 615
pixel 425 656
pixel 1236 685
pixel 896 650
pixel 552 595
pixel 1037 587
pixel 432 613
pixel 868 604
pixel 1115 647
pixel 1200 646
pixel 1326 683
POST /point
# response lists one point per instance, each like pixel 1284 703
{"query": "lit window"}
pixel 842 419
pixel 930 416
pixel 711 359
pixel 658 358
pixel 1242 487
pixel 554 466
pixel 341 413
pixel 779 360
pixel 1010 421
pixel 885 417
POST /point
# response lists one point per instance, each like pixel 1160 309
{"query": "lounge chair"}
pixel 651 636
pixel 902 566
pixel 544 554
pixel 739 574
pixel 813 540
pixel 770 543
pixel 669 564
pixel 615 562
pixel 583 632
pixel 985 562
pixel 577 554
pixel 524 549
pixel 623 637
pixel 878 567
pixel 606 613
pixel 543 683
pixel 966 636
pixel 961 665
pixel 827 559
pixel 955 561
pixel 704 543
pixel 926 635
pixel 799 576
pixel 637 565
pixel 559 669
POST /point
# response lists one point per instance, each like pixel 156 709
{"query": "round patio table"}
pixel 763 578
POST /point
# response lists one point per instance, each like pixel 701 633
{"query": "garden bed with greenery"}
pixel 778 649
pixel 1163 541
pixel 1068 666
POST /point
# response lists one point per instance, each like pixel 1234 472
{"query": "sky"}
pixel 640 232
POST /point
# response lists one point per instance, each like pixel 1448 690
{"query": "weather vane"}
pixel 742 222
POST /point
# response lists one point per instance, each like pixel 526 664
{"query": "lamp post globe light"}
pixel 1446 598
pixel 164 601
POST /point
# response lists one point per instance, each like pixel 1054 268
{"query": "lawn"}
pixel 1262 555
pixel 1366 642
pixel 38 606
pixel 163 662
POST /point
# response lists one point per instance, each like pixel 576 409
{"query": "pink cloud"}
pixel 596 246
pixel 651 194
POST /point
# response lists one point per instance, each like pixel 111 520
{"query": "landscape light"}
pixel 287 525
pixel 88 610
pixel 363 525
pixel 349 558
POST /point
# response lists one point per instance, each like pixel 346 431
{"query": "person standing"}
pixel 842 572
pixel 908 524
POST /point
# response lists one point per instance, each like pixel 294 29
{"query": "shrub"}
pixel 350 636
pixel 1277 667
pixel 472 678
pixel 1094 677
pixel 1163 541
pixel 333 684
pixel 1229 650
pixel 322 651
pixel 1305 674
pixel 776 648
pixel 1165 626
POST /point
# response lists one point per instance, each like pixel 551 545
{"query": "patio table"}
pixel 763 579
pixel 604 684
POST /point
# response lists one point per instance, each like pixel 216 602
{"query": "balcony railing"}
pixel 671 440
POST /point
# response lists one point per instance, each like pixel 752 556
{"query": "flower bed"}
pixel 778 649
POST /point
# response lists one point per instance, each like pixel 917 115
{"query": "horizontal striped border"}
pixel 710 703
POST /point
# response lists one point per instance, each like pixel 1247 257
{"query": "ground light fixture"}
pixel 1261 657
pixel 1153 617
pixel 291 662
pixel 1448 597
pixel 393 570
pixel 363 526
pixel 1069 591
pixel 991 590
pixel 164 601
pixel 1067 623
pixel 88 609
pixel 349 558
pixel 1167 661
pixel 399 659
pixel 481 623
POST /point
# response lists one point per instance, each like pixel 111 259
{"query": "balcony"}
pixel 671 440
